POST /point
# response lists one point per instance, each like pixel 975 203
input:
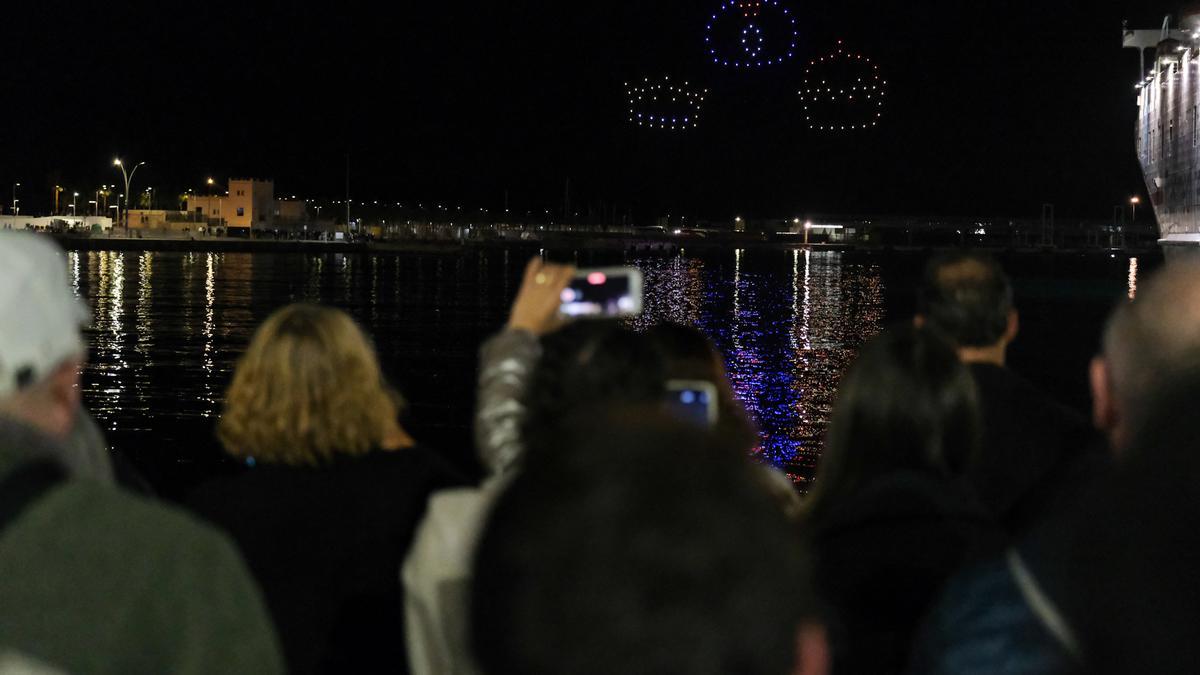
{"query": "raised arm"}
pixel 507 360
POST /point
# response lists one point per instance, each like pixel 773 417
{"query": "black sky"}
pixel 994 107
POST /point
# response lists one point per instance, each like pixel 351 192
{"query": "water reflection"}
pixel 73 266
pixel 1133 275
pixel 207 331
pixel 788 322
pixel 785 352
pixel 109 355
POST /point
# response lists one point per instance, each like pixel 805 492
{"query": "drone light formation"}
pixel 751 34
pixel 662 104
pixel 843 91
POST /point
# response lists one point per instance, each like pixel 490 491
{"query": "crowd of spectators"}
pixel 962 521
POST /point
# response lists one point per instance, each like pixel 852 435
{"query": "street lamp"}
pixel 128 179
pixel 74 198
pixel 1133 202
pixel 15 209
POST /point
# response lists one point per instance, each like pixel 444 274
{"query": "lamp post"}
pixel 15 209
pixel 1133 202
pixel 74 198
pixel 128 175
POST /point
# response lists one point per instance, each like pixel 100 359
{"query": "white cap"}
pixel 40 318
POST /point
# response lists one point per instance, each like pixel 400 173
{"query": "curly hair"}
pixel 308 387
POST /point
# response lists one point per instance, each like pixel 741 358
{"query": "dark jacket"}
pixel 882 557
pixel 984 625
pixel 326 544
pixel 1107 586
pixel 1037 455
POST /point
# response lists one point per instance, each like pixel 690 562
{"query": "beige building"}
pixel 206 207
pixel 249 203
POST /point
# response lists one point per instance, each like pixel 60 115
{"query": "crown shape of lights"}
pixel 662 104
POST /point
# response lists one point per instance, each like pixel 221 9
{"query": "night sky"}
pixel 993 109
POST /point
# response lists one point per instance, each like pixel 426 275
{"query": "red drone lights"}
pixel 842 91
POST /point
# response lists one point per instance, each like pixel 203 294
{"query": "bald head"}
pixel 1146 344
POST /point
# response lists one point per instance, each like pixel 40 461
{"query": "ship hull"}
pixel 1168 144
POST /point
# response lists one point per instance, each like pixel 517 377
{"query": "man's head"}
pixel 41 348
pixel 642 547
pixel 1145 344
pixel 969 298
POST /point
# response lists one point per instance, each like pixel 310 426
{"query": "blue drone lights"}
pixel 661 104
pixel 752 40
pixel 751 34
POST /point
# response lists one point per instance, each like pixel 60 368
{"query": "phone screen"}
pixel 694 402
pixel 603 293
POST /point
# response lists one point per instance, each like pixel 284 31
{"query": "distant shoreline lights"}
pixel 662 104
pixel 751 34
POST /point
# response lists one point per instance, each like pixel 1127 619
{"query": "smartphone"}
pixel 603 293
pixel 694 401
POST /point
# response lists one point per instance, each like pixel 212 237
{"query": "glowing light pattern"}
pixel 752 40
pixel 751 34
pixel 787 339
pixel 663 105
pixel 843 91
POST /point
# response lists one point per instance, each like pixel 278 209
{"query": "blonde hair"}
pixel 308 387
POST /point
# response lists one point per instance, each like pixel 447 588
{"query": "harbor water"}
pixel 168 328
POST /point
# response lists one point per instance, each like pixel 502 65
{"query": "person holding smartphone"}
pixel 436 572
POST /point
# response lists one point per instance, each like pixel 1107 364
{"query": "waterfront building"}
pixel 248 204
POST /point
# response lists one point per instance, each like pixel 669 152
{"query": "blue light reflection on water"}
pixel 169 327
pixel 786 340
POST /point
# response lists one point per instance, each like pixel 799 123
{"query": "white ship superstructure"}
pixel 1168 127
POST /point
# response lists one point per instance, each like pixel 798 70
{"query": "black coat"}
pixel 326 545
pixel 1037 455
pixel 883 555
